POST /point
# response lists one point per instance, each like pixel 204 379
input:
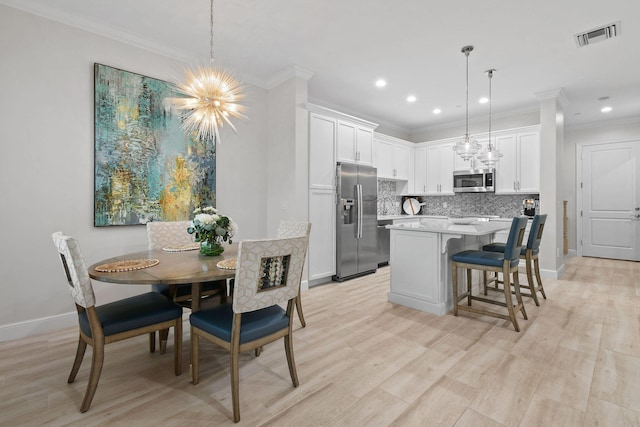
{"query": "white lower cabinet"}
pixel 322 241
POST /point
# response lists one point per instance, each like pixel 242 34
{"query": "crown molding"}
pixel 557 94
pixel 338 115
pixel 287 74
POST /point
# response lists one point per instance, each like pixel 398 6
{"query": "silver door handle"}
pixel 359 193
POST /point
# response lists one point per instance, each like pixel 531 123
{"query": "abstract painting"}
pixel 146 167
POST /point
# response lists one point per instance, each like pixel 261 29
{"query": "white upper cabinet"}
pixel 440 164
pixel 420 170
pixel 322 137
pixel 355 143
pixel 518 171
pixel 393 159
pixel 529 178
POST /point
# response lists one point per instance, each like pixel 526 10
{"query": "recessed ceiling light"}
pixel 437 111
pixel 606 109
pixel 411 98
pixel 381 83
pixel 483 100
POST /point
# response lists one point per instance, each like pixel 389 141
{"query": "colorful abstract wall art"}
pixel 146 167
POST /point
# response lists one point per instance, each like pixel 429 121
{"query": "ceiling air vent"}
pixel 598 34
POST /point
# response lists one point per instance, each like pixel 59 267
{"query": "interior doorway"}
pixel 609 186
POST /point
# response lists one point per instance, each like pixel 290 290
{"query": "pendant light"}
pixel 467 148
pixel 491 155
pixel 210 99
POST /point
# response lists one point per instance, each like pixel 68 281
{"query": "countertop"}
pixel 391 217
pixel 478 228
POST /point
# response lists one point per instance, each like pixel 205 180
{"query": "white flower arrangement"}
pixel 209 226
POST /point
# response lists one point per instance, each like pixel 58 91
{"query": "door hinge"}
pixel 580 213
pixel 580 185
pixel 580 242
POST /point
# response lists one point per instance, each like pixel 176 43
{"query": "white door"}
pixel 611 200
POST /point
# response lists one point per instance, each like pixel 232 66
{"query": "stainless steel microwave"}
pixel 474 181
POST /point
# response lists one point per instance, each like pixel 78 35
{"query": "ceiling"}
pixel 413 44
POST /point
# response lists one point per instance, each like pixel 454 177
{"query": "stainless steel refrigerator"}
pixel 356 221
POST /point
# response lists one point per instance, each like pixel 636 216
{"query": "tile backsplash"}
pixel 388 201
pixel 463 204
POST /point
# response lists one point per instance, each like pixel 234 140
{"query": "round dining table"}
pixel 174 268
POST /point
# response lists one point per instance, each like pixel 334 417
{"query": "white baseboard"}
pixel 27 328
pixel 572 253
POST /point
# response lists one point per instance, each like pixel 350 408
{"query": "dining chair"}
pixel 115 321
pixel 530 254
pixel 505 263
pixel 166 234
pixel 295 229
pixel 268 273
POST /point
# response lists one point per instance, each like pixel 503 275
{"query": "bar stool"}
pixel 505 263
pixel 530 254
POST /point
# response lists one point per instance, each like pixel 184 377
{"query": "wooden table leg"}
pixel 196 291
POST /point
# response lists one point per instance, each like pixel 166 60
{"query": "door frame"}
pixel 579 179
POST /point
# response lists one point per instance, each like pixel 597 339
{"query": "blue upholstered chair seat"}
pixel 218 321
pixel 499 247
pixel 491 259
pixel 184 290
pixel 132 313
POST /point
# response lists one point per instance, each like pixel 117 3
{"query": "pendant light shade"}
pixel 490 156
pixel 211 98
pixel 467 148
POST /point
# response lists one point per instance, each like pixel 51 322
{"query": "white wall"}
pixel 46 165
pixel 599 132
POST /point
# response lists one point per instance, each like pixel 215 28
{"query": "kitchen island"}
pixel 421 259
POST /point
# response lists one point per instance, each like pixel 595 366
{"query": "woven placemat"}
pixel 182 248
pixel 126 265
pixel 227 264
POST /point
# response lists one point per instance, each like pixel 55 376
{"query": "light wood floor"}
pixel 365 362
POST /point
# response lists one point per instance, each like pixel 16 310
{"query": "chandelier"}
pixel 210 99
pixel 491 155
pixel 467 148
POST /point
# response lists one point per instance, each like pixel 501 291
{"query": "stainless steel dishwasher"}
pixel 383 241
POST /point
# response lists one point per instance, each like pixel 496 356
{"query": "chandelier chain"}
pixel 211 32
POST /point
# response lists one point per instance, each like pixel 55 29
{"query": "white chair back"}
pixel 74 266
pixel 293 229
pixel 268 272
pixel 171 233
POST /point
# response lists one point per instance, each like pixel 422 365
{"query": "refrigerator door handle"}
pixel 359 195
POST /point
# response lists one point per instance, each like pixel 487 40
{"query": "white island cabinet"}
pixel 420 259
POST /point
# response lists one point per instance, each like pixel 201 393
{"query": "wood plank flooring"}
pixel 363 361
